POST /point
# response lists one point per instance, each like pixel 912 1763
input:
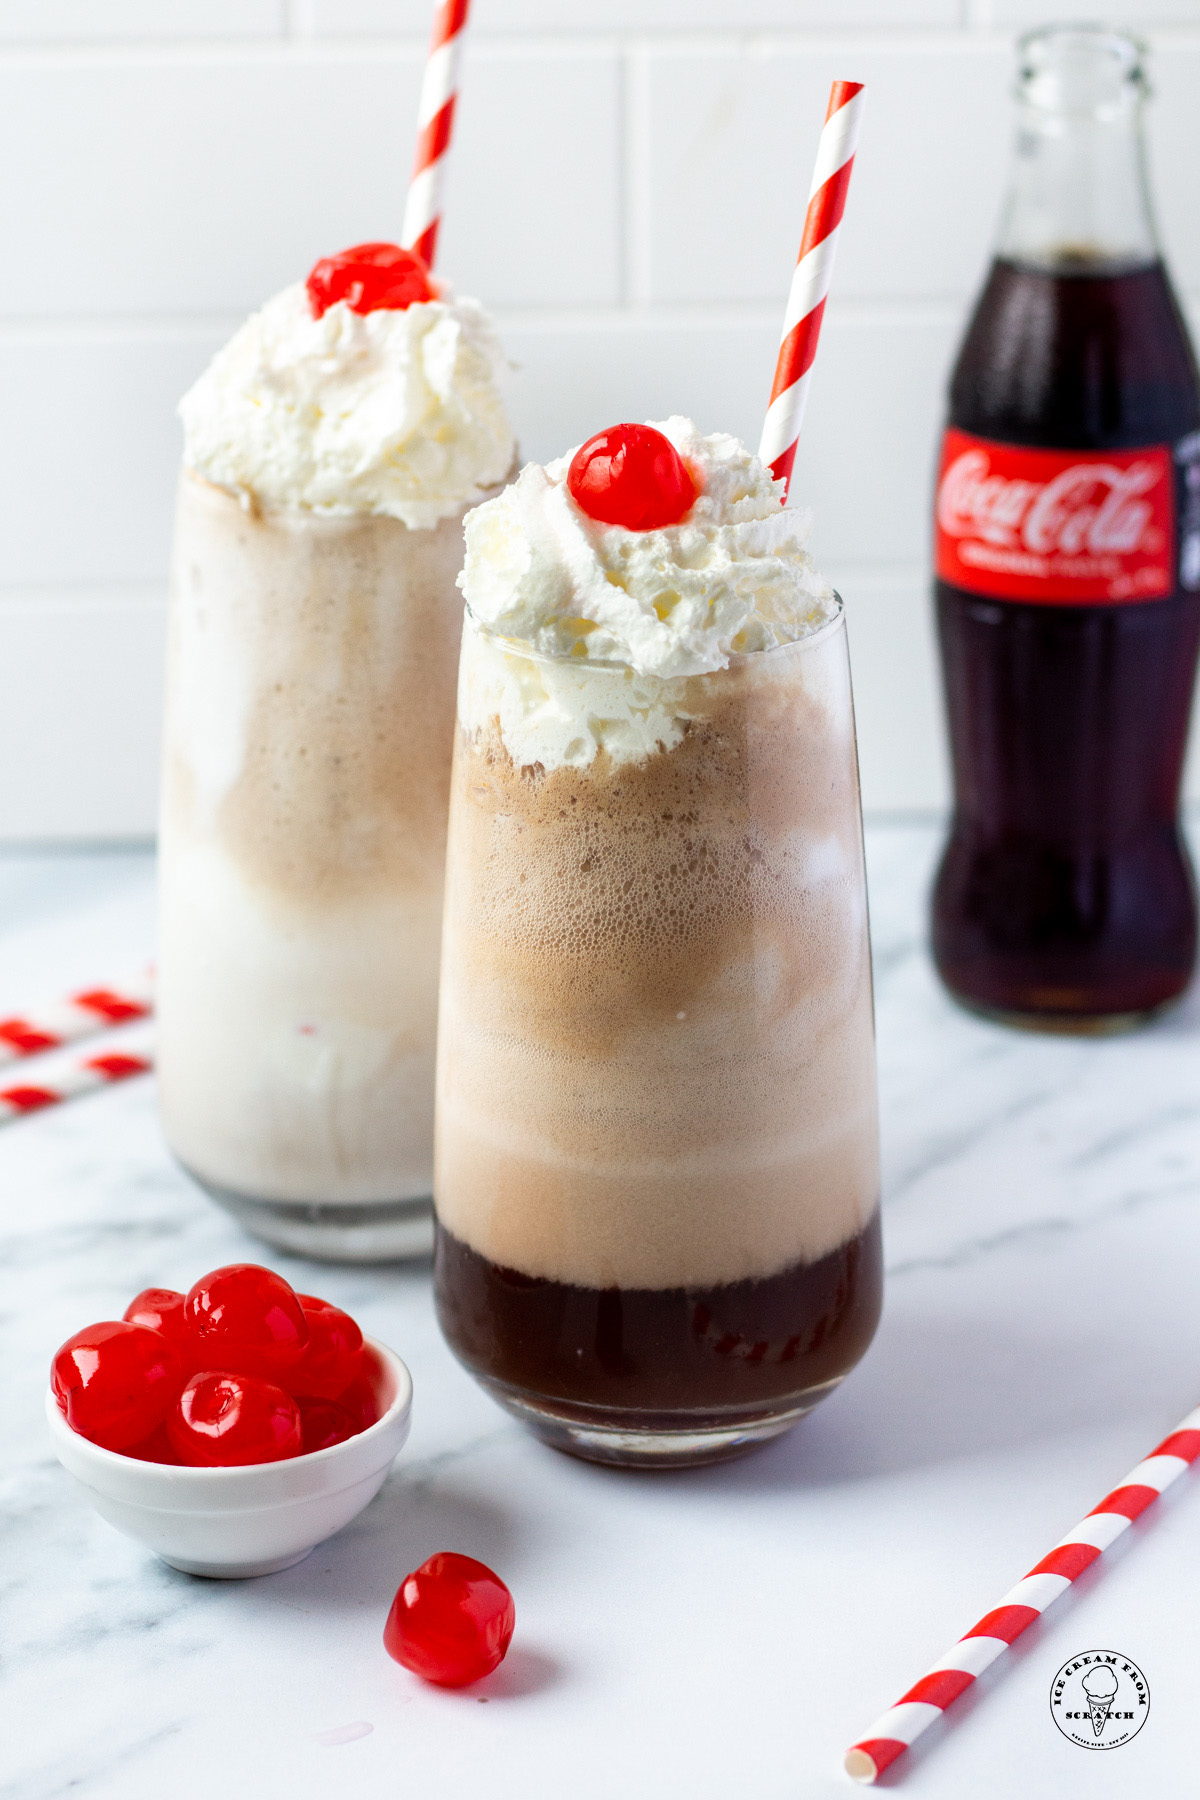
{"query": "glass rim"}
pixel 736 658
pixel 1115 64
pixel 1118 62
pixel 1085 34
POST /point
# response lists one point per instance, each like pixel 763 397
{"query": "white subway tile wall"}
pixel 627 191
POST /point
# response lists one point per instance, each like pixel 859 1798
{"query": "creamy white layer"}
pixel 559 712
pixel 395 412
pixel 307 763
pixel 297 1052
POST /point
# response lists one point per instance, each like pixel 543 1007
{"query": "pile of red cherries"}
pixel 240 1369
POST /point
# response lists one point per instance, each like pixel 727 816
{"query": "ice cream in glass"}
pixel 332 448
pixel 657 1159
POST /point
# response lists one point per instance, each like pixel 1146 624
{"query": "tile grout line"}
pixel 977 16
pixel 639 312
pixel 636 197
pixel 298 21
pixel 624 194
pixel 298 35
pixel 636 313
pixel 149 592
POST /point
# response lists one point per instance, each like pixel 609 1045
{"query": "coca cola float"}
pixel 232 1428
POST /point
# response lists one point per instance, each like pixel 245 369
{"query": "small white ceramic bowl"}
pixel 252 1520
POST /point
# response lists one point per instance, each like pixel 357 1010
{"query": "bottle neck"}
pixel 1078 196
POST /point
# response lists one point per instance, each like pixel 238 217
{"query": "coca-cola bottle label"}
pixel 1056 527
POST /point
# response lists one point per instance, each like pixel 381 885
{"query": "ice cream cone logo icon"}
pixel 1100 1699
pixel 1100 1686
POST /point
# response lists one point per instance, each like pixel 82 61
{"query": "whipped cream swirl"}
pixel 733 576
pixel 394 412
pixel 620 622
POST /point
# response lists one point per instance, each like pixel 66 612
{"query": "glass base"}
pixel 370 1231
pixel 1064 1024
pixel 637 1440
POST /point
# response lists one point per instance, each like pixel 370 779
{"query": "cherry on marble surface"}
pixel 451 1621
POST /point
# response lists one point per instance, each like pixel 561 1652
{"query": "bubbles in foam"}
pixel 657 1058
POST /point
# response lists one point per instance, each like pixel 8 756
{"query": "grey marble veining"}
pixel 727 1630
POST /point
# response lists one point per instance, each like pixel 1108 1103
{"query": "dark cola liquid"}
pixel 645 1358
pixel 1065 895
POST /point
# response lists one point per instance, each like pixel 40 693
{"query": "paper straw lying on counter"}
pixel 82 1076
pixel 435 124
pixel 891 1735
pixel 811 278
pixel 61 1022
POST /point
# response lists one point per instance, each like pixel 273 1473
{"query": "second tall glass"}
pixel 307 766
pixel 656 1164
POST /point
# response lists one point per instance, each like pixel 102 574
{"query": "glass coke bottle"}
pixel 1068 564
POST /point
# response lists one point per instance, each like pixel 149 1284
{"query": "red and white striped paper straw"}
pixel 435 122
pixel 80 1077
pixel 61 1022
pixel 891 1735
pixel 810 282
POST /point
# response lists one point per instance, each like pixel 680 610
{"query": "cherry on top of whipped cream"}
pixel 370 278
pixel 631 475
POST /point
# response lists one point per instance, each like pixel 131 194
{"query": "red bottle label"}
pixel 1056 527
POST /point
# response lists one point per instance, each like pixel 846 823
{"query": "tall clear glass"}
pixel 656 1174
pixel 309 732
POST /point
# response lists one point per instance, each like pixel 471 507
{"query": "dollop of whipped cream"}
pixel 389 411
pixel 733 576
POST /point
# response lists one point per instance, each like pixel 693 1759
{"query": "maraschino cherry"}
pixel 246 1320
pixel 370 278
pixel 359 1401
pixel 323 1423
pixel 631 475
pixel 115 1382
pixel 161 1309
pixel 157 1448
pixel 240 1369
pixel 221 1420
pixel 334 1354
pixel 451 1621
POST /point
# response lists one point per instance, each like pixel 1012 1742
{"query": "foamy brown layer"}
pixel 656 1065
pixel 308 744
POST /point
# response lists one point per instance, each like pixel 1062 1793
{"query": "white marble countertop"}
pixel 725 1631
